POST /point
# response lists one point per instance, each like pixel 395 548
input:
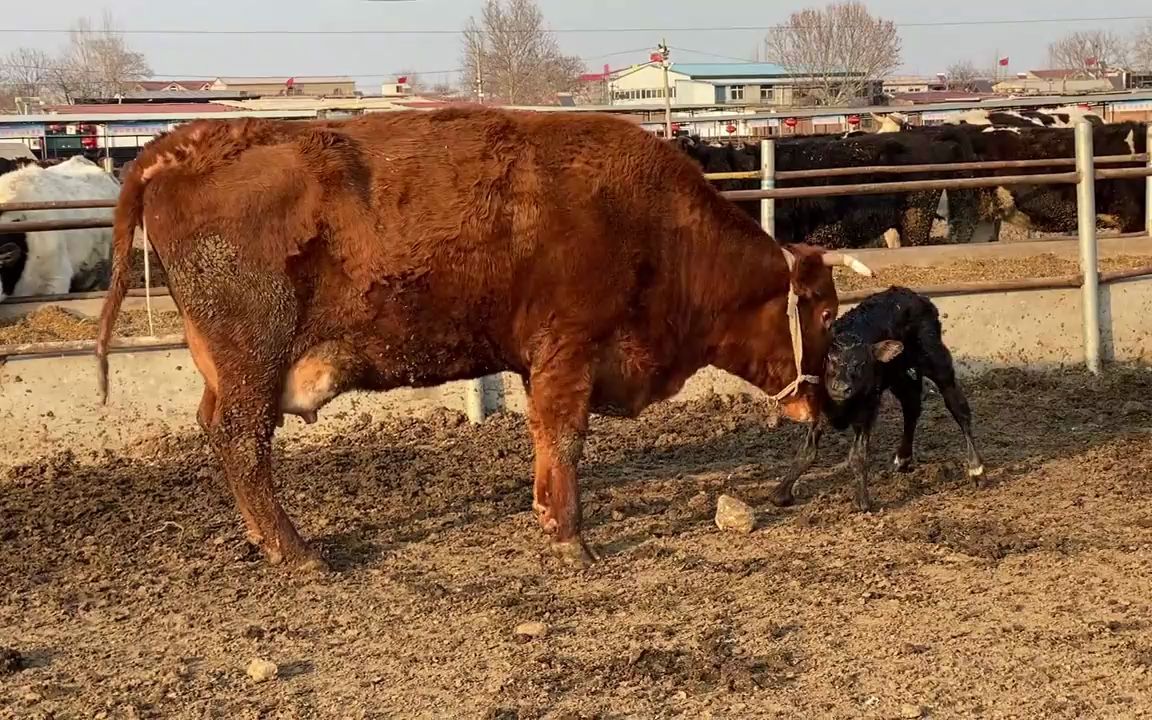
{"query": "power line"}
pixel 723 28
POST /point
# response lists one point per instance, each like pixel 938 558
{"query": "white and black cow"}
pixel 1062 117
pixel 55 261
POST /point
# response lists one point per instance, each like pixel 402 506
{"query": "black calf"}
pixel 890 341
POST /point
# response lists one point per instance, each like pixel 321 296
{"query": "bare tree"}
pixel 841 48
pixel 962 75
pixel 97 62
pixel 514 55
pixel 24 72
pixel 1140 53
pixel 1090 52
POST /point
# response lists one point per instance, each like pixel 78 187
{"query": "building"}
pixel 907 84
pixel 752 84
pixel 1061 82
pixel 338 86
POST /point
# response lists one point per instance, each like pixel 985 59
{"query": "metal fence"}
pixel 1084 175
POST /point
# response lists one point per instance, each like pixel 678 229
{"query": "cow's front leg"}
pixel 805 456
pixel 558 418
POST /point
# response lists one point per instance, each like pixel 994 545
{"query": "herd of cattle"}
pixel 907 218
pixel 313 258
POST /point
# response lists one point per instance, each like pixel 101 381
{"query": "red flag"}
pixel 655 57
pixel 1003 62
pixel 402 80
pixel 1090 61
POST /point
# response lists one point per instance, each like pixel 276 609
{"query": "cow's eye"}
pixel 826 317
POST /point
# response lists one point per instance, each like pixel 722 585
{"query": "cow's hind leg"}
pixel 908 389
pixel 559 394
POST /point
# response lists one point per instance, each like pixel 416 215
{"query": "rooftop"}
pixel 281 79
pixel 161 84
pixel 159 109
pixel 726 70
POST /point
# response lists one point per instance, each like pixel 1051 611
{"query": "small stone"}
pixel 617 515
pixel 911 712
pixel 530 631
pixel 10 661
pixel 262 670
pixel 734 515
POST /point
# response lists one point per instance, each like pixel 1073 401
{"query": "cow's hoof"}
pixel 862 502
pixel 573 553
pixel 902 464
pixel 782 496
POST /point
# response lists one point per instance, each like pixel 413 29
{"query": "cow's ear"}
pixel 887 350
pixel 9 253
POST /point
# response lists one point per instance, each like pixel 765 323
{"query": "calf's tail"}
pixel 129 216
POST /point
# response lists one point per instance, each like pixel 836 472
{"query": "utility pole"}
pixel 663 48
pixel 480 69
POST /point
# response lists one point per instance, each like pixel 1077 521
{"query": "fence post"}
pixel 768 182
pixel 1148 181
pixel 474 400
pixel 1089 268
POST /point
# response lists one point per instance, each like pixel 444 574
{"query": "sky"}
pixel 584 29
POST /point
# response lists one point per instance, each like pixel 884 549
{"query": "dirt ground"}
pixel 127 591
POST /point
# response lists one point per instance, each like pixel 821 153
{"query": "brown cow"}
pixel 312 258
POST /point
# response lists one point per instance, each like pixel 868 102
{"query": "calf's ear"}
pixel 887 350
pixel 9 253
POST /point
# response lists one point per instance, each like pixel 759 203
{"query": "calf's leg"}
pixel 858 456
pixel 560 390
pixel 940 370
pixel 805 456
pixel 907 389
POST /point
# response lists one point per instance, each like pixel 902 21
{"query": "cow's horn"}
pixel 833 259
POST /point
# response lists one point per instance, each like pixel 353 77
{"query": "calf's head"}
pixel 852 367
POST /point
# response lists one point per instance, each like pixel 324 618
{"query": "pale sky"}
pixel 373 59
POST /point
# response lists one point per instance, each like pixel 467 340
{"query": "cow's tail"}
pixel 129 216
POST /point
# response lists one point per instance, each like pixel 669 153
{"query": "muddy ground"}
pixel 128 592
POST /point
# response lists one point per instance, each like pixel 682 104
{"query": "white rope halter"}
pixel 797 338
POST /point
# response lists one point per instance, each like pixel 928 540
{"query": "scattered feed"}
pixel 54 323
pixel 979 270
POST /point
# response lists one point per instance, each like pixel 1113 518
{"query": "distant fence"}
pixel 1083 176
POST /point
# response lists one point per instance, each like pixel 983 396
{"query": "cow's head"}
pixel 816 303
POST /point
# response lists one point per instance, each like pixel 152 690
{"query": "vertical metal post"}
pixel 1089 268
pixel 1148 182
pixel 768 182
pixel 667 90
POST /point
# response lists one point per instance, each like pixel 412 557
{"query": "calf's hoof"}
pixel 782 496
pixel 976 472
pixel 902 464
pixel 573 553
